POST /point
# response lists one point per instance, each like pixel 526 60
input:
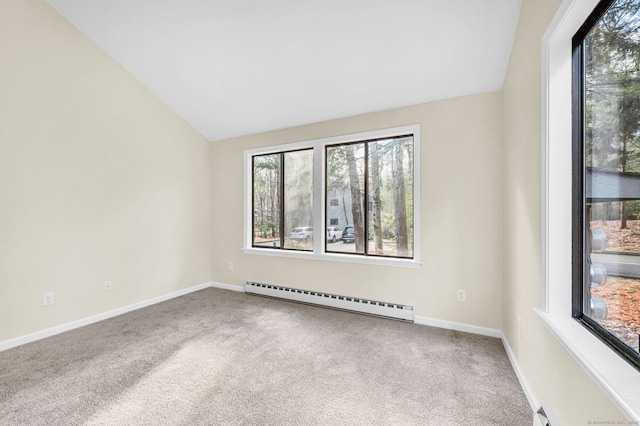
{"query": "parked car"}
pixel 333 234
pixel 348 235
pixel 304 233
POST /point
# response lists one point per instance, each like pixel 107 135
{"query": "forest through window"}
pixel 607 173
pixel 367 206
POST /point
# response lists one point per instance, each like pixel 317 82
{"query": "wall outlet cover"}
pixel 48 298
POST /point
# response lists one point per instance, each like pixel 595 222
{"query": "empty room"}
pixel 319 212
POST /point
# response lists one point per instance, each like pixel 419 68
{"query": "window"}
pixel 282 200
pixel 379 171
pixel 606 176
pixel 365 186
pixel 617 377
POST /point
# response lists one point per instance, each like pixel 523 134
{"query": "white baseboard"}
pixel 491 332
pixel 450 325
pixel 228 286
pixel 32 337
pixel 433 322
pixel 528 392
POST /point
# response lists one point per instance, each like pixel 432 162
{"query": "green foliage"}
pixel 612 94
pixel 612 89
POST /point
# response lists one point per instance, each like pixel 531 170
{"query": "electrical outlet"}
pixel 230 266
pixel 107 286
pixel 48 298
pixel 462 295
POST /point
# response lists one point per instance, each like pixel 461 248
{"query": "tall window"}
pixel 352 198
pixel 606 187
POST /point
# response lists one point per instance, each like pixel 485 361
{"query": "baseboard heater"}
pixel 371 307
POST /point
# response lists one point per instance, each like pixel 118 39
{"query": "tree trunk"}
pixel 356 199
pixel 375 188
pixel 399 201
pixel 275 209
pixel 344 207
pixel 623 205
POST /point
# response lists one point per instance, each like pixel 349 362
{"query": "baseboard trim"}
pixel 38 335
pixel 228 286
pixel 491 332
pixel 433 322
pixel 528 391
pixel 457 326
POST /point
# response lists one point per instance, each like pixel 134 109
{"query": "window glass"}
pixel 390 218
pixel 610 294
pixel 363 182
pixel 380 172
pixel 266 200
pixel 345 181
pixel 298 200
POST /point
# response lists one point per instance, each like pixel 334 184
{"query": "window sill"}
pixel 336 257
pixel 614 376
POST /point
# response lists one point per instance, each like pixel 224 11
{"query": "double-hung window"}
pixel 352 198
pixel 606 176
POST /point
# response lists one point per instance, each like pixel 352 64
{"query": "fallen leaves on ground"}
pixel 627 240
pixel 622 296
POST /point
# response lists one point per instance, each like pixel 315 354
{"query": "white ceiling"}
pixel 237 67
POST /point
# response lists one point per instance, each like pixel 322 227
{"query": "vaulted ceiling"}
pixel 237 67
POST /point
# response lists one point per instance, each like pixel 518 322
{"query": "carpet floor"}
pixel 217 357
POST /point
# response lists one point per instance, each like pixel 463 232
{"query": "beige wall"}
pixel 98 180
pixel 555 377
pixel 461 215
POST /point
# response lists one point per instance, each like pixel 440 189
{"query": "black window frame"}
pixel 281 196
pixel 578 204
pixel 365 190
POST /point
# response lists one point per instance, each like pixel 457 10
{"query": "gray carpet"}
pixel 218 357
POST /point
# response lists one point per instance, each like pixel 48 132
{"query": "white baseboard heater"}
pixel 371 307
